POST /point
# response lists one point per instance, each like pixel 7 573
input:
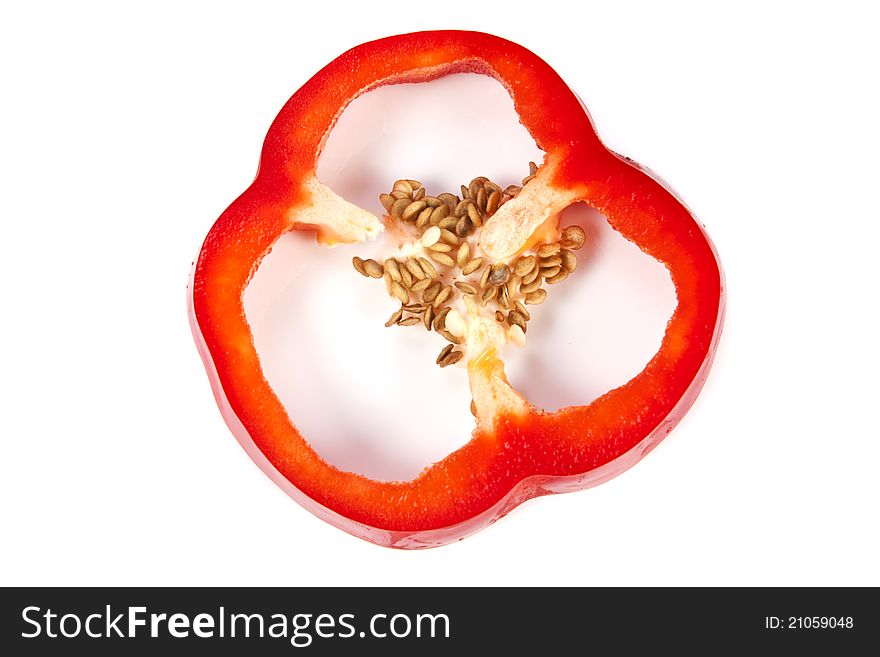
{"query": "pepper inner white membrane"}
pixel 464 265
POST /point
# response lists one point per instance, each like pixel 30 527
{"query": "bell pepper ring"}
pixel 517 451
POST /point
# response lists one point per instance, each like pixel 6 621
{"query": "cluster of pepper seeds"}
pixel 426 284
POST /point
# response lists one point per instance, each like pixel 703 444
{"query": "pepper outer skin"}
pixel 520 457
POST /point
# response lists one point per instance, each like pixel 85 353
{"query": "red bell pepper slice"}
pixel 518 452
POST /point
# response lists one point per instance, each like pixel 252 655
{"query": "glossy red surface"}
pixel 568 450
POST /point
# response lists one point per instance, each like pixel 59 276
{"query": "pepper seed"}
pixel 474 214
pixel 472 266
pixel 405 276
pixel 399 292
pixel 536 297
pixel 432 291
pixel 450 200
pixel 547 250
pixel 445 352
pixel 421 285
pixel 399 206
pixel 392 269
pixel 463 255
pixel 452 358
pixel 514 318
pixel 373 268
pixel 482 198
pixel 395 317
pixel 512 286
pixel 446 334
pixel 427 267
pixel 358 264
pixel 573 237
pixel 413 267
pixel 525 265
pixel 532 275
pixel 439 213
pixel 500 274
pixel 448 237
pixel 503 300
pixel 440 318
pixel 464 227
pixel 443 259
pixel 484 278
pixel 493 202
pixel 430 236
pixel 528 288
pixel 443 296
pixel 403 186
pixel 449 223
pixel 474 188
pixel 424 217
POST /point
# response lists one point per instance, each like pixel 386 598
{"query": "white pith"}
pixel 509 229
pixel 501 239
pixel 339 220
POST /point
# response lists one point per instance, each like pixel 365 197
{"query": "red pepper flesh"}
pixel 520 457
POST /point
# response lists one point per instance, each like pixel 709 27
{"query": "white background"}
pixel 125 132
